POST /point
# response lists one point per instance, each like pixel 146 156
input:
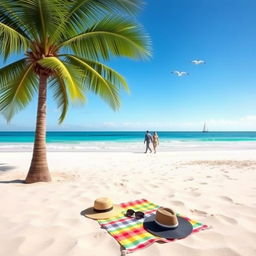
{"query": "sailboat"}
pixel 205 129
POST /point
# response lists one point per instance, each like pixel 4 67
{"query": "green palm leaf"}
pixel 60 94
pixel 43 16
pixel 109 74
pixel 83 8
pixel 11 41
pixel 10 72
pixel 83 13
pixel 19 91
pixel 67 73
pixel 100 79
pixel 111 36
pixel 106 72
pixel 10 17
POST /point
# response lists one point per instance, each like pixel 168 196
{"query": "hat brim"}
pixel 184 228
pixel 90 213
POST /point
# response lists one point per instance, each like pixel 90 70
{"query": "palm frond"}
pixel 110 75
pixel 60 94
pixel 84 12
pixel 86 7
pixel 19 91
pixel 111 36
pixel 10 72
pixel 11 41
pixel 67 73
pixel 106 72
pixel 9 15
pixel 43 16
pixel 100 80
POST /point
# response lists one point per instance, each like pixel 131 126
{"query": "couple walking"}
pixel 148 139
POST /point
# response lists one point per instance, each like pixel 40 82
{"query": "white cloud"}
pixel 241 124
pixel 249 118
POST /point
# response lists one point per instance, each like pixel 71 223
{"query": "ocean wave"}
pixel 165 146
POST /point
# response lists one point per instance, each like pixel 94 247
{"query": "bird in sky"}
pixel 180 73
pixel 198 62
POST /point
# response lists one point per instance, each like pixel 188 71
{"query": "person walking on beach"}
pixel 148 139
pixel 155 141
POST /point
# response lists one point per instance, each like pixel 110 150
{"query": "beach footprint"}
pixel 195 193
pixel 193 189
pixel 227 219
pixel 177 203
pixel 226 199
pixel 199 212
pixel 189 179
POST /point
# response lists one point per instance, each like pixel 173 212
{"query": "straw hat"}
pixel 165 223
pixel 103 209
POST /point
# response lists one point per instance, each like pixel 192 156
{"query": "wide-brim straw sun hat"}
pixel 165 223
pixel 103 209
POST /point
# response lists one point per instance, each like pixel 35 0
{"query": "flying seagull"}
pixel 198 62
pixel 180 73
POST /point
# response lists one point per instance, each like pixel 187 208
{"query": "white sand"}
pixel 217 188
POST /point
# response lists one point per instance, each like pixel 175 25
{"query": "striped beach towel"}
pixel 129 232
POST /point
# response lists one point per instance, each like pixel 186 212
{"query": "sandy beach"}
pixel 214 187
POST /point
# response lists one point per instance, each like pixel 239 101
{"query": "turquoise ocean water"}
pixel 79 137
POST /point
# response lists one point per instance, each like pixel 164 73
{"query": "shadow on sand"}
pixel 82 213
pixel 12 181
pixel 4 168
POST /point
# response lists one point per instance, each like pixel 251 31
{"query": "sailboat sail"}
pixel 205 128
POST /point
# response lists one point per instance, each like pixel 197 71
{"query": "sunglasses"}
pixel 138 215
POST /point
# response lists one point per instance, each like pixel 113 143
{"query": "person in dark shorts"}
pixel 148 140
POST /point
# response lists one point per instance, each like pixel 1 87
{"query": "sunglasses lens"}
pixel 129 213
pixel 139 215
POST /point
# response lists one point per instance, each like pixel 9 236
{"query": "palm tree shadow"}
pixel 12 181
pixel 4 168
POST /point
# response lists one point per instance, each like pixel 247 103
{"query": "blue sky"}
pixel 222 92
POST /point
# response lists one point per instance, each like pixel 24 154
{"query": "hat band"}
pixel 105 210
pixel 167 226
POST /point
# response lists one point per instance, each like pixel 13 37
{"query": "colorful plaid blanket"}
pixel 129 232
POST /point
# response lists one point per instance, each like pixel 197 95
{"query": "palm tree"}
pixel 64 45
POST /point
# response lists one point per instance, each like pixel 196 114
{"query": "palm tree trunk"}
pixel 38 170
